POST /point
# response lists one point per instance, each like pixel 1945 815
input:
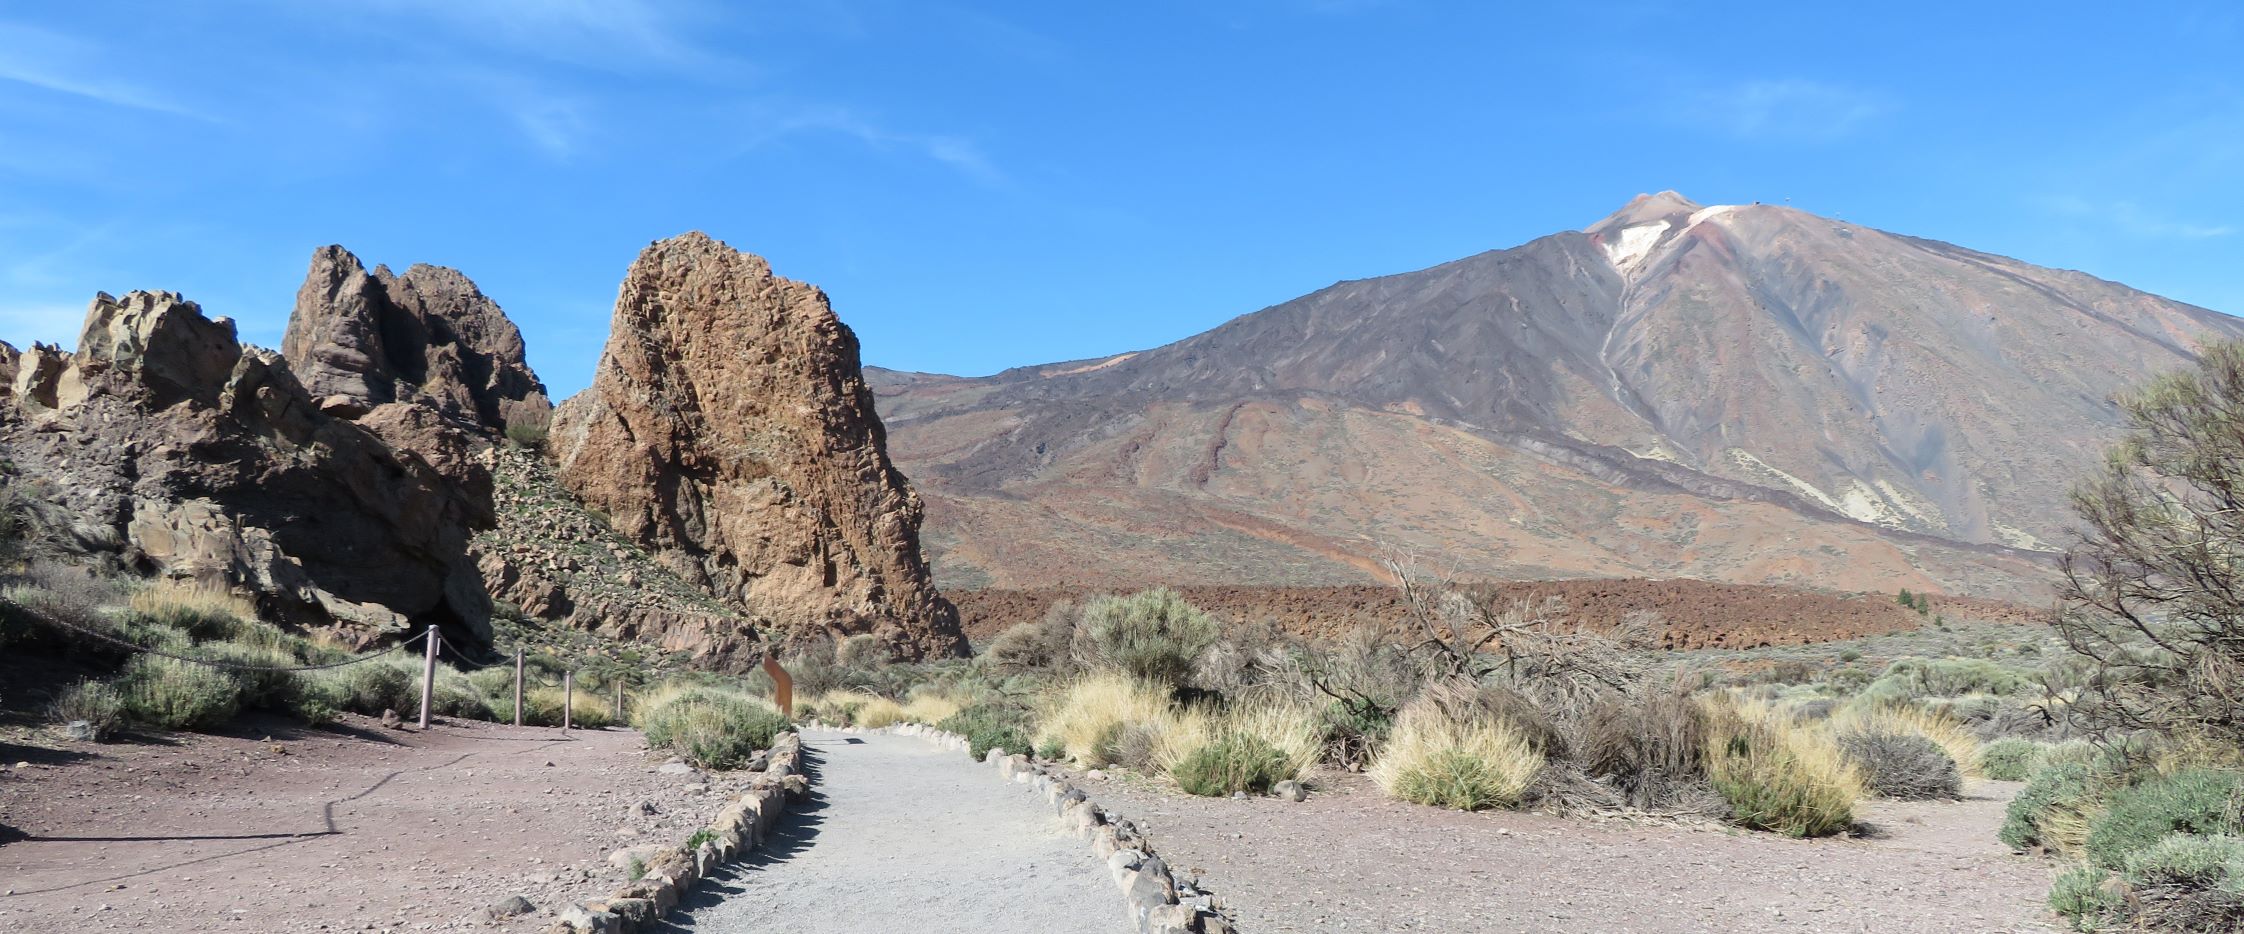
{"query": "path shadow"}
pixel 795 834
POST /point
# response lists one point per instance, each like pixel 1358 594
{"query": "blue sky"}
pixel 987 185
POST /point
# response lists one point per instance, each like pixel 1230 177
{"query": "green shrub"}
pixel 2205 862
pixel 372 687
pixel 1053 748
pixel 2053 810
pixel 988 726
pixel 94 702
pixel 2196 801
pixel 2010 759
pixel 173 695
pixel 1153 636
pixel 1234 761
pixel 2186 882
pixel 2088 897
pixel 711 727
pixel 1902 766
pixel 1908 679
pixel 2074 751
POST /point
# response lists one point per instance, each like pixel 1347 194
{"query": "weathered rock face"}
pixel 728 430
pixel 188 455
pixel 359 340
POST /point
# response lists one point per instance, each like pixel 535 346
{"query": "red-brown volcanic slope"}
pixel 1699 614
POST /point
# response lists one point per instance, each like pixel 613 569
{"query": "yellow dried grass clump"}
pixel 1777 774
pixel 1087 717
pixel 1438 759
pixel 182 603
pixel 1247 746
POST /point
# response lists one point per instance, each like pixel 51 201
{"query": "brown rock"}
pixel 184 454
pixel 729 431
pixel 359 340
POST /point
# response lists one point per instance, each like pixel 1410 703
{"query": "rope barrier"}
pixel 216 663
pixel 460 659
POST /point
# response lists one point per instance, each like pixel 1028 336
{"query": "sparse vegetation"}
pixel 711 727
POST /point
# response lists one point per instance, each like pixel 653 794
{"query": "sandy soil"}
pixel 1348 860
pixel 902 835
pixel 350 829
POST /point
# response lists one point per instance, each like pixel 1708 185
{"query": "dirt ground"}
pixel 1349 860
pixel 350 828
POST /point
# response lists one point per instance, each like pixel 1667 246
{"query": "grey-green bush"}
pixel 1153 635
pixel 2064 790
pixel 714 729
pixel 173 695
pixel 1234 762
pixel 2088 897
pixel 988 726
pixel 96 704
pixel 1902 766
pixel 2194 801
pixel 2186 882
pixel 2010 759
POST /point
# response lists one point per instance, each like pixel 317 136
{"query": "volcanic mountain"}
pixel 1742 393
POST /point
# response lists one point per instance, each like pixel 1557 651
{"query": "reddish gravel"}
pixel 1349 860
pixel 361 829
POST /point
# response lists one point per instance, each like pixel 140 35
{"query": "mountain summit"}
pixel 1733 392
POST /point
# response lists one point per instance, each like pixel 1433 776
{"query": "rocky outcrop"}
pixel 186 454
pixel 729 432
pixel 359 340
pixel 551 559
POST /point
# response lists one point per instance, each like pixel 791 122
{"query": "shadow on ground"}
pixel 796 832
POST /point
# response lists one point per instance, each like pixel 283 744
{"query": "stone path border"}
pixel 739 827
pixel 1158 902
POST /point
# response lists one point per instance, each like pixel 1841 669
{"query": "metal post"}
pixel 428 678
pixel 619 698
pixel 568 700
pixel 517 687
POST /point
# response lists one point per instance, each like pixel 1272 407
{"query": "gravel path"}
pixel 1350 860
pixel 900 835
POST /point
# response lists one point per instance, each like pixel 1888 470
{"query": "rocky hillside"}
pixel 729 431
pixel 1741 393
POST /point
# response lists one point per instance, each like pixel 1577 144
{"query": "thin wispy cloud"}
pixel 2132 219
pixel 955 152
pixel 1785 110
pixel 67 65
pixel 632 35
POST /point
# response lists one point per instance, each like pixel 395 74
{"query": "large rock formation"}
pixel 185 454
pixel 728 430
pixel 359 340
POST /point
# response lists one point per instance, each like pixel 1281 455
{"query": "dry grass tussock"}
pixel 171 599
pixel 1779 774
pixel 1436 757
pixel 1245 746
pixel 1090 717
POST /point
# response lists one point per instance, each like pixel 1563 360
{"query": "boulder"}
pixel 729 432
